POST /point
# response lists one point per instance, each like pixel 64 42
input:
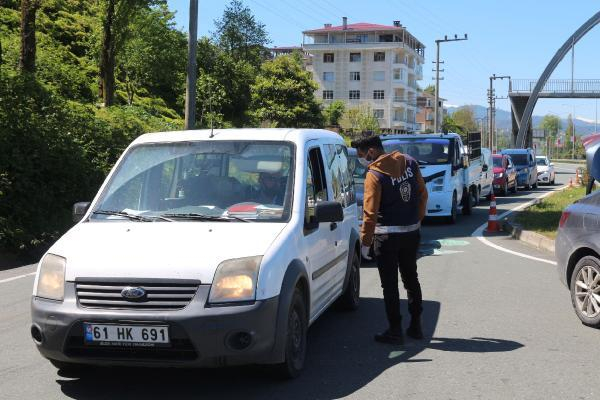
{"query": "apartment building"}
pixel 426 112
pixel 369 64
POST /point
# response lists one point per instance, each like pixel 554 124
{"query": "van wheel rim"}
pixel 587 291
pixel 296 340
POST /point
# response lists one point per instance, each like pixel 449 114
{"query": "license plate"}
pixel 126 335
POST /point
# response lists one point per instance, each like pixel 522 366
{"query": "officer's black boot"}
pixel 414 330
pixel 392 335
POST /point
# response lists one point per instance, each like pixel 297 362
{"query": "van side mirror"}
pixel 465 162
pixel 484 168
pixel 79 210
pixel 329 211
pixel 552 164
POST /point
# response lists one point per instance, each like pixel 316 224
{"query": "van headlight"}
pixel 51 281
pixel 437 185
pixel 235 280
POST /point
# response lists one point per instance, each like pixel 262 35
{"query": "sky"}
pixel 509 37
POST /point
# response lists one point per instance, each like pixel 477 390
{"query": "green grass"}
pixel 543 218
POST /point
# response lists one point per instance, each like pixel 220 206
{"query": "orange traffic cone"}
pixel 493 219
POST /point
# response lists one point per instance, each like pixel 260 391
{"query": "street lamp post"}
pixel 190 87
pixel 492 101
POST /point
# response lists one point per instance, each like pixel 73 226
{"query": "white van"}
pixel 204 249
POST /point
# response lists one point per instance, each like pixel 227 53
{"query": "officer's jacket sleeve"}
pixel 371 202
pixel 422 194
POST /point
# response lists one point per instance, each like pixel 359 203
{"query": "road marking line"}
pixel 14 278
pixel 478 233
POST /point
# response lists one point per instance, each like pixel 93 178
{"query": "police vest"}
pixel 398 209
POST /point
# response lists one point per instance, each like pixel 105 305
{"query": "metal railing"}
pixel 556 86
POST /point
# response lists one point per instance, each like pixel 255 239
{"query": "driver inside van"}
pixel 271 189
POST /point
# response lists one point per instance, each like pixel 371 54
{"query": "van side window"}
pixel 316 186
pixel 347 179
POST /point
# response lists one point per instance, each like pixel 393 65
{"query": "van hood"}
pixel 175 250
pixel 498 170
pixel 542 168
pixel 430 172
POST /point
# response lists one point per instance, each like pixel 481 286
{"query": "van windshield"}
pixel 498 162
pixel 519 159
pixel 202 180
pixel 430 151
pixel 542 162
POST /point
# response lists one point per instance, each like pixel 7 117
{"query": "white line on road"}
pixel 14 278
pixel 478 233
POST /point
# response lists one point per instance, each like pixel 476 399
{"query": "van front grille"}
pixel 157 295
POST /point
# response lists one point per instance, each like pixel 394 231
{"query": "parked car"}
pixel 524 161
pixel 204 249
pixel 545 170
pixel 486 183
pixel 505 174
pixel 578 256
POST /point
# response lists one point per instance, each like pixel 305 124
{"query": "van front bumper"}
pixel 201 335
pixel 439 204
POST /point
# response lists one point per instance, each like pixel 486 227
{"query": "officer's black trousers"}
pixel 395 252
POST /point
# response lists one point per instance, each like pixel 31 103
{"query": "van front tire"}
pixel 295 339
pixel 350 299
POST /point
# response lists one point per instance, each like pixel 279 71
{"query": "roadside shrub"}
pixel 43 170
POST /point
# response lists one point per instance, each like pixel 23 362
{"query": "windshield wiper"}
pixel 422 162
pixel 124 214
pixel 204 217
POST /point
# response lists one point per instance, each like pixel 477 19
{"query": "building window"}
pixel 379 75
pixel 378 113
pixel 354 95
pixel 428 103
pixel 354 57
pixel 328 57
pixel 327 94
pixel 399 74
pixel 379 56
pixel 328 76
pixel 378 94
pixel 355 76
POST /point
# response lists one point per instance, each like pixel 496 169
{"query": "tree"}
pixel 284 93
pixel 211 98
pixel 465 118
pixel 240 35
pixel 28 44
pixel 430 89
pixel 334 112
pixel 360 120
pixel 116 18
pixel 551 124
pixel 569 132
pixel 450 125
pixel 153 60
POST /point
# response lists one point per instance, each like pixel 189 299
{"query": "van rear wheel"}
pixel 295 338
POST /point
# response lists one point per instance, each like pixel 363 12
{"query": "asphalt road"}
pixel 498 326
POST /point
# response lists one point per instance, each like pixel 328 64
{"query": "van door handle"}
pixel 333 226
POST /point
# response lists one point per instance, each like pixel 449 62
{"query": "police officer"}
pixel 394 204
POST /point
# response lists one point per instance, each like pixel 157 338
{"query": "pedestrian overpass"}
pixel 525 93
pixel 520 91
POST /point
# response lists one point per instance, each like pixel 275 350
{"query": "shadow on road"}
pixel 342 359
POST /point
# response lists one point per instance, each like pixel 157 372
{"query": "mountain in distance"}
pixel 503 120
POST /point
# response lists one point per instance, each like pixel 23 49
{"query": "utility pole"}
pixel 190 87
pixel 436 120
pixel 492 102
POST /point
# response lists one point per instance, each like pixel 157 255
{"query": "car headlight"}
pixel 235 280
pixel 51 281
pixel 498 175
pixel 437 184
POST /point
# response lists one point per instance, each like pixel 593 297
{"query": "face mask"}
pixel 364 162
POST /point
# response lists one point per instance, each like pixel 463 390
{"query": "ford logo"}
pixel 133 293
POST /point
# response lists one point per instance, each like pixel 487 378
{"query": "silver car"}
pixel 578 256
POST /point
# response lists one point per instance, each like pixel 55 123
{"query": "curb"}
pixel 534 239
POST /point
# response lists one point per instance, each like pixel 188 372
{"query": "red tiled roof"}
pixel 359 26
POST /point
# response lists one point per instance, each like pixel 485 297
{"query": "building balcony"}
pixel 356 46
